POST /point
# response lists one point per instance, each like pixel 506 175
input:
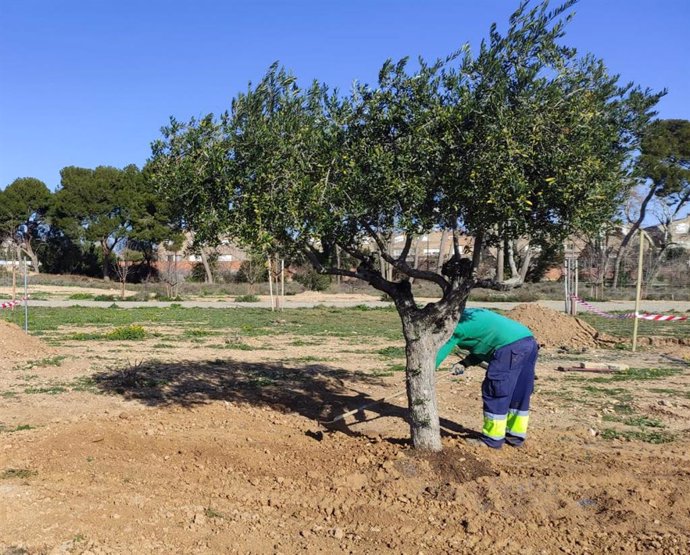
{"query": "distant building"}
pixel 229 256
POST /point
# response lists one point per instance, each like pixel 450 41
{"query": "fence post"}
pixel 26 297
pixel 638 292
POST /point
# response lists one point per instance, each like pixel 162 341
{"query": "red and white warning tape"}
pixel 643 316
pixel 594 309
pixel 662 317
pixel 12 304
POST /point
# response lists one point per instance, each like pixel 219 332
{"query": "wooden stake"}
pixel 638 292
pixel 270 282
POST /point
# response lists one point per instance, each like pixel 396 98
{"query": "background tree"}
pixel 525 136
pixel 91 206
pixel 125 258
pixel 23 208
pixel 663 168
pixel 152 220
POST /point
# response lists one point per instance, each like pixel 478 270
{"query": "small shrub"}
pixel 313 280
pixel 393 352
pixel 127 333
pixel 247 299
pixel 17 473
pixel 80 297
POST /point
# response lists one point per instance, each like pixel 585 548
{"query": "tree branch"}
pixel 404 267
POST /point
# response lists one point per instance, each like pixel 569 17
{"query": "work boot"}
pixel 479 442
pixel 515 441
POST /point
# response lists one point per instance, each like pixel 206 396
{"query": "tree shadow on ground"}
pixel 318 392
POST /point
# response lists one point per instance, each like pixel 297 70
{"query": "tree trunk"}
pixel 511 261
pixel 441 250
pixel 207 266
pixel 29 251
pixel 423 339
pixel 106 254
pixel 500 261
pixel 525 265
pixel 628 236
pixel 415 261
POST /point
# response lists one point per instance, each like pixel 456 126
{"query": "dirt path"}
pixel 111 450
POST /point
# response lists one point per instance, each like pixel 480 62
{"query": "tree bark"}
pixel 421 348
pixel 441 250
pixel 500 261
pixel 524 268
pixel 29 251
pixel 106 255
pixel 628 236
pixel 207 266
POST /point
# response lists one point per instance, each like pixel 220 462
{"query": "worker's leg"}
pixel 497 392
pixel 524 353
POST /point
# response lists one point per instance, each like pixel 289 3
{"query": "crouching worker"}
pixel 511 352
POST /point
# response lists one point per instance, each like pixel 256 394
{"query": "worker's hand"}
pixel 458 369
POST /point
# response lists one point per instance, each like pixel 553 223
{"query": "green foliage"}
pixel 252 270
pixel 313 280
pixel 81 297
pixel 17 473
pixel 645 436
pixel 394 352
pixel 525 138
pixel 132 332
pixel 247 299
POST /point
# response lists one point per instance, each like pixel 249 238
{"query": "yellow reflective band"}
pixel 494 428
pixel 517 423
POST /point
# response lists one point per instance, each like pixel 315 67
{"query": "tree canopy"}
pixel 525 138
pixel 23 208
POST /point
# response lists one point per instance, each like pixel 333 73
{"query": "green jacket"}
pixel 481 332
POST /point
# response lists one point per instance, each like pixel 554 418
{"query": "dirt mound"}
pixel 555 329
pixel 17 345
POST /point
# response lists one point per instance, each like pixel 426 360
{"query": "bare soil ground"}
pixel 175 446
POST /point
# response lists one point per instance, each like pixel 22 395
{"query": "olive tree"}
pixel 523 138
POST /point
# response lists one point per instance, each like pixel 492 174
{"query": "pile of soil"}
pixel 17 345
pixel 554 329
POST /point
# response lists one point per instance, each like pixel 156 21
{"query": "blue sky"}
pixel 90 82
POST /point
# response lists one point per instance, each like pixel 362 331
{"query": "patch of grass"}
pixel 237 345
pixel 260 381
pixel 19 428
pixel 304 343
pixel 83 383
pixel 623 408
pixel 393 352
pixel 397 368
pixel 163 346
pixel 105 298
pixel 618 392
pixel 80 297
pixel 8 394
pixel 212 513
pixel 83 336
pixel 381 323
pixel 622 327
pixel 132 332
pixel 643 422
pixel 17 473
pixel 50 361
pixel 199 333
pixel 665 391
pixel 637 374
pixel 655 437
pixel 52 390
pixel 381 373
pixel 247 299
pixel 307 358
